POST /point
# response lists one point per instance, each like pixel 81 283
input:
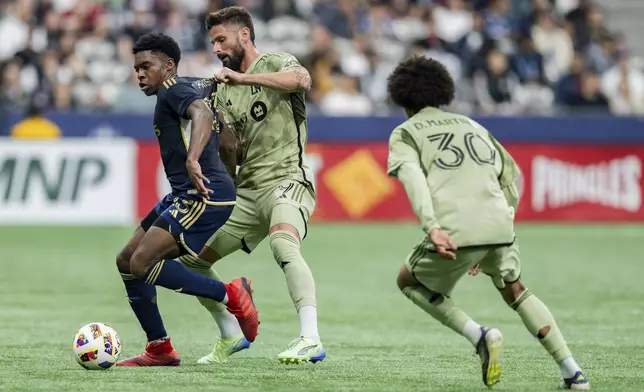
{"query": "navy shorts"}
pixel 190 218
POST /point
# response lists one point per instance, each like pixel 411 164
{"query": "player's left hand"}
pixel 197 178
pixel 474 270
pixel 228 76
pixel 443 243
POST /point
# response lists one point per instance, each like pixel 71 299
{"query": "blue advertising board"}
pixel 578 130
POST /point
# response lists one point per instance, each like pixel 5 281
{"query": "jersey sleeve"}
pixel 404 163
pixel 510 169
pixel 179 97
pixel 402 149
pixel 280 62
pixel 508 175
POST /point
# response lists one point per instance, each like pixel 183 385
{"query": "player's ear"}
pixel 245 34
pixel 170 65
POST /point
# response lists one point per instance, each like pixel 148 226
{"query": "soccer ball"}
pixel 96 346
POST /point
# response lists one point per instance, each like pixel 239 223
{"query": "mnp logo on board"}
pixel 66 182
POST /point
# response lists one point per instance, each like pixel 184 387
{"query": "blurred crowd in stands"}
pixel 508 57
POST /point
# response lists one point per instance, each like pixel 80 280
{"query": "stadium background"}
pixel 560 83
pixel 553 80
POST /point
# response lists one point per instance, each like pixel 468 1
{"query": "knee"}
pixel 123 260
pixel 139 264
pixel 405 279
pixel 513 292
pixel 285 246
pixel 209 255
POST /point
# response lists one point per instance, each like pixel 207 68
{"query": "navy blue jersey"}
pixel 172 127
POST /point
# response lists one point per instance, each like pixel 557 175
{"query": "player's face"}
pixel 150 71
pixel 227 45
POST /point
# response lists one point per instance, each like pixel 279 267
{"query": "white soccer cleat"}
pixel 223 349
pixel 488 349
pixel 578 382
pixel 302 350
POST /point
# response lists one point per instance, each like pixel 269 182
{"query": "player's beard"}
pixel 235 59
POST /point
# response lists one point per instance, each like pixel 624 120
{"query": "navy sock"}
pixel 143 301
pixel 174 276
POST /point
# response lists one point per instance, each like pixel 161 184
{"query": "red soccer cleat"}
pixel 241 305
pixel 156 354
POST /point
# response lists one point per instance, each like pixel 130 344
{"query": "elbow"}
pixel 227 150
pixel 306 85
pixel 303 80
pixel 227 145
pixel 299 87
pixel 210 117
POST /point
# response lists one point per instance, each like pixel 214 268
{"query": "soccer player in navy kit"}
pixel 202 199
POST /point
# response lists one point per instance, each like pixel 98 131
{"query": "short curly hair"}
pixel 158 44
pixel 420 82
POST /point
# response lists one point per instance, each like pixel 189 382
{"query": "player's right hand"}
pixel 443 243
pixel 197 178
pixel 228 76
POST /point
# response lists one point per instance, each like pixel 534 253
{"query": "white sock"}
pixel 309 322
pixel 472 332
pixel 228 325
pixel 569 367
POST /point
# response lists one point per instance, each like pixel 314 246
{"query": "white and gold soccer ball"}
pixel 96 346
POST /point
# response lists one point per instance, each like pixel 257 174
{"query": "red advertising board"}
pixel 559 182
pixel 151 184
pixel 580 183
pixel 352 184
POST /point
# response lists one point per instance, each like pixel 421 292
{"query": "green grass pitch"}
pixel 53 280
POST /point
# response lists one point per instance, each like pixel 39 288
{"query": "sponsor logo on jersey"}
pixel 258 111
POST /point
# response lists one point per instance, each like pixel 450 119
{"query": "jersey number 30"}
pixel 477 148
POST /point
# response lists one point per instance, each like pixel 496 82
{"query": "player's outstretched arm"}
pixel 202 120
pixel 286 75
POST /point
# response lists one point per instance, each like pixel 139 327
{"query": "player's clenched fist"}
pixel 228 76
pixel 443 243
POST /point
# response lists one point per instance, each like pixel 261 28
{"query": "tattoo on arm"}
pixel 302 78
